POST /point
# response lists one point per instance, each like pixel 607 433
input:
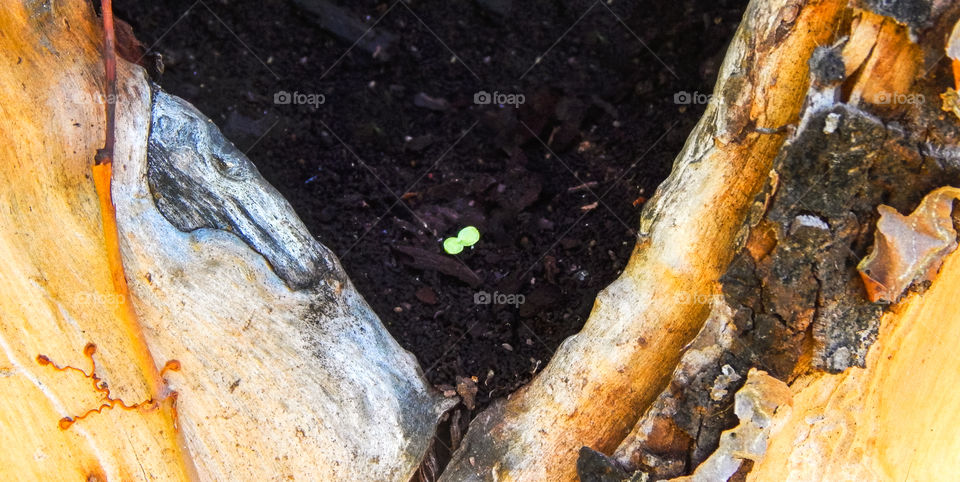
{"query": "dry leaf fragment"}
pixel 907 249
pixel 467 389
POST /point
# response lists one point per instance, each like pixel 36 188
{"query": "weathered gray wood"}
pixel 199 179
pixel 286 371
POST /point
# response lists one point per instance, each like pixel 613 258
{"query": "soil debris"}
pixel 467 389
pixel 342 164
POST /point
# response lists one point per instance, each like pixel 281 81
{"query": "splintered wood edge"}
pixel 897 418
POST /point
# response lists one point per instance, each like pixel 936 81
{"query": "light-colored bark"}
pixel 600 380
pixel 894 420
pixel 284 371
pixel 56 292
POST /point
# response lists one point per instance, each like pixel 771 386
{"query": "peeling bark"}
pixel 794 300
pixel 910 249
pixel 746 259
pixel 600 380
pixel 757 403
pixel 285 371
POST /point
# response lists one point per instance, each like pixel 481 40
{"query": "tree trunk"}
pixel 788 312
pixel 284 371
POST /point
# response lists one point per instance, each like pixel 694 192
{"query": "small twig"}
pixel 583 187
pixel 589 207
pixel 102 177
pixel 105 155
pixel 160 395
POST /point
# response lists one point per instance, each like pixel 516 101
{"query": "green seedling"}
pixel 467 236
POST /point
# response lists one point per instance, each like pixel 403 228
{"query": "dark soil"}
pixel 382 180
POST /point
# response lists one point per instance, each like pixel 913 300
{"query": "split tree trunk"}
pixel 740 340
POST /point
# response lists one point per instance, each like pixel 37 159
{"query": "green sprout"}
pixel 467 236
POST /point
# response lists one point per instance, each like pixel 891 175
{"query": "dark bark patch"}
pixel 914 13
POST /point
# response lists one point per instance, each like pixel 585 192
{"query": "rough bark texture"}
pixel 284 371
pixel 794 301
pixel 747 259
pixel 200 180
pixel 601 380
pixel 56 291
pixel 894 420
